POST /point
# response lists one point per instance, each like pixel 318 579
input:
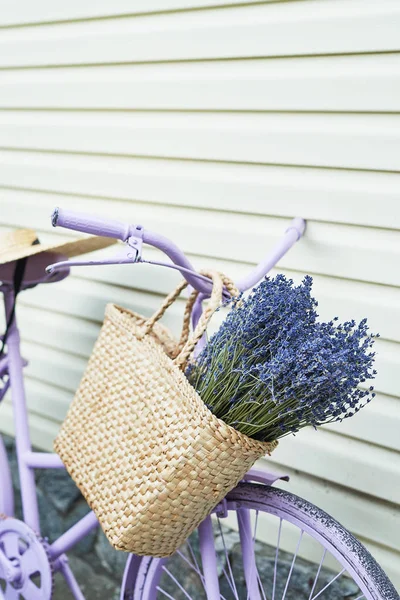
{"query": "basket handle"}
pixel 215 299
pixel 182 358
pixel 186 346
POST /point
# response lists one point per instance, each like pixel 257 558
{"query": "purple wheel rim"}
pixel 335 539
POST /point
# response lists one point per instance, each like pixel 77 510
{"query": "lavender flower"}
pixel 272 368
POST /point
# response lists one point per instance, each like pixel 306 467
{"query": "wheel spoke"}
pixel 292 565
pixel 228 579
pixel 194 556
pixel 191 565
pixel 159 589
pixel 330 583
pixel 174 579
pixel 317 575
pixel 195 567
pixel 261 586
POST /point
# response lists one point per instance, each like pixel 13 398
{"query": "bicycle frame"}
pixel 28 460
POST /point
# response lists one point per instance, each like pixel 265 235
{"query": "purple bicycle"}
pixel 223 558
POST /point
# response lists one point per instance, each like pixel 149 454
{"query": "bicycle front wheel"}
pixel 308 555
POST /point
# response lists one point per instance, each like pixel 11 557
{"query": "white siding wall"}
pixel 215 125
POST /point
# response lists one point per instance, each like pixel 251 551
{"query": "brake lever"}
pixel 130 253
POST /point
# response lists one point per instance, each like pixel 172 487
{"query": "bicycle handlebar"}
pixel 87 223
pixel 101 226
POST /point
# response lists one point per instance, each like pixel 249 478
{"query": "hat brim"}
pixel 67 249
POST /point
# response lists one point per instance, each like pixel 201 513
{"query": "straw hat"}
pixel 21 243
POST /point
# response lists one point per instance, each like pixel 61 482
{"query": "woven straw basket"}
pixel 150 458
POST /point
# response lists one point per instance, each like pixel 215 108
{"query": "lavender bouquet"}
pixel 272 368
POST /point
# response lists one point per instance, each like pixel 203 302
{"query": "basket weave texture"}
pixel 150 458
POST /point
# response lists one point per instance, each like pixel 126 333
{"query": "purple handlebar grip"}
pixel 299 225
pixel 70 219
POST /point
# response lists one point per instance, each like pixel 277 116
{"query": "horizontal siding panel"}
pixel 379 421
pixel 74 335
pixel 42 430
pixel 47 401
pixel 277 29
pixel 88 299
pixel 325 249
pixel 361 83
pixel 52 366
pixel 357 300
pixel 22 12
pixel 341 141
pixel 388 367
pixel 347 462
pixel 129 287
pixel 352 197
